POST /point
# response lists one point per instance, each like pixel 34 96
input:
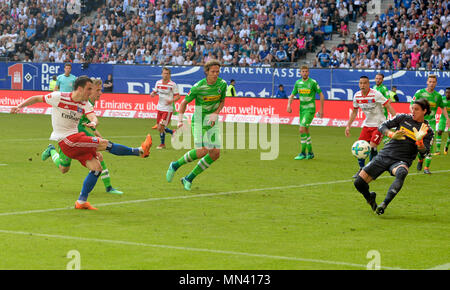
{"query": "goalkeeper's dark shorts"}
pixel 380 164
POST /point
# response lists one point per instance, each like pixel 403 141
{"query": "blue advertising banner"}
pixel 255 82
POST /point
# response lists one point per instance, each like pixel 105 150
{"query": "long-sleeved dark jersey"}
pixel 405 150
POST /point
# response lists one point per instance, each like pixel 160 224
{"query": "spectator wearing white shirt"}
pixel 446 52
pixel 199 10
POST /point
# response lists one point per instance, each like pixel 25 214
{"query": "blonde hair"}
pixel 96 82
pixel 304 67
pixel 432 77
pixel 211 63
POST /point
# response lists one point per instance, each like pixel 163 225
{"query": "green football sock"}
pixel 55 157
pixel 438 143
pixel 186 158
pixel 448 142
pixel 303 141
pixel 202 165
pixel 427 162
pixel 308 143
pixel 105 175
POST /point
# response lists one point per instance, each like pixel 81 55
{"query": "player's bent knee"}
pixel 366 177
pixel 102 144
pixel 64 169
pixel 214 153
pixel 400 171
pixel 360 183
pixel 99 156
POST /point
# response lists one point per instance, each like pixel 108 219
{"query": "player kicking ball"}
pixel 209 95
pixel 412 136
pixel 63 162
pixel 67 110
pixel 167 91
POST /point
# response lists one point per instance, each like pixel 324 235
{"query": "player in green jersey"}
pixel 63 162
pixel 435 100
pixel 442 125
pixel 306 88
pixel 209 95
pixel 380 87
pixel 65 81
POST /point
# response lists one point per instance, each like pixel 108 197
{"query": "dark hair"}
pixel 81 81
pixel 68 64
pixel 364 77
pixel 380 74
pixel 394 87
pixel 424 104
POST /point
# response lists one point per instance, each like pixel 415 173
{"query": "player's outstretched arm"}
pixel 93 121
pixel 181 111
pixel 350 121
pixel 28 102
pixel 386 126
pixel 390 109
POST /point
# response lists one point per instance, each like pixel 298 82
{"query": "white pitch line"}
pixel 441 267
pixel 3 164
pixel 202 195
pixel 263 256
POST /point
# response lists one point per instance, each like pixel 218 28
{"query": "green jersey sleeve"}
pixel 192 94
pixel 317 88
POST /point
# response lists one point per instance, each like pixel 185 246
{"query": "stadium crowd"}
pixel 411 35
pixel 239 33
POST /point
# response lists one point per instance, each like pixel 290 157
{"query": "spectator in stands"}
pixel 108 84
pixel 425 54
pixel 281 93
pixel 415 57
pixel 323 58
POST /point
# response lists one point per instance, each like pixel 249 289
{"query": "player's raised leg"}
pixel 203 164
pixel 61 161
pixel 122 150
pixel 188 157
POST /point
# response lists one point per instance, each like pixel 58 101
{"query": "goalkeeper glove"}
pixel 397 135
pixel 420 134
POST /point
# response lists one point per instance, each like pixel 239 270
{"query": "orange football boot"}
pixel 85 205
pixel 146 146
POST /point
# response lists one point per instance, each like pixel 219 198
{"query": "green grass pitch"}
pixel 242 213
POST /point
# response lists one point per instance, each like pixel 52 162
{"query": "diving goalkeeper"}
pixel 412 135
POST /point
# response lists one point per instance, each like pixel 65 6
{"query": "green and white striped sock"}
pixel 202 165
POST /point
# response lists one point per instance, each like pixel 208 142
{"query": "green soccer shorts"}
pixel 206 136
pixel 442 123
pixel 306 118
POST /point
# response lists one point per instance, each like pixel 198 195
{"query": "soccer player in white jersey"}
pixel 372 103
pixel 67 109
pixel 167 91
